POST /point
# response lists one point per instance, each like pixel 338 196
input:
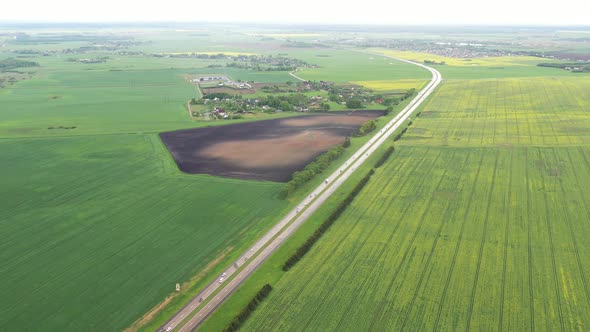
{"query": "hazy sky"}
pixel 479 12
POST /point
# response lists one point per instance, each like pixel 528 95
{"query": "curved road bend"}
pixel 220 289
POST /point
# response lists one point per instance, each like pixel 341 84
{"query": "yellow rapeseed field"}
pixel 387 85
pixel 463 62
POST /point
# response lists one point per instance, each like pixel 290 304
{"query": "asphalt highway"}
pixel 214 294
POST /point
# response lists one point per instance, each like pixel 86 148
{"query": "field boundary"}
pixel 261 250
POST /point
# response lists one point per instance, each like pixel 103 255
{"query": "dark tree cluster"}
pixel 346 142
pixel 399 136
pixel 408 94
pixel 432 62
pixel 303 249
pixel 576 67
pixel 310 171
pixel 241 318
pixel 366 128
pixel 218 95
pixel 384 157
pixel 354 103
pixel 12 63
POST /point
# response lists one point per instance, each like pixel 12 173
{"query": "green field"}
pixel 98 229
pixel 485 68
pixel 477 221
pixel 507 112
pixel 98 224
pixel 473 224
pixel 348 65
pixel 101 98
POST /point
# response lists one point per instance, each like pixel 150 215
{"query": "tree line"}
pixel 408 94
pixel 400 134
pixel 311 170
pixel 571 66
pixel 384 157
pixel 305 247
pixel 241 318
pixel 366 128
pixel 562 65
pixel 12 63
pixel 433 62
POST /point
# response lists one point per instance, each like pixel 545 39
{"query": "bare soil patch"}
pixel 572 56
pixel 262 85
pixel 354 119
pixel 269 150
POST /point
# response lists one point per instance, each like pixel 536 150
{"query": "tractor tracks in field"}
pixel 437 236
pixel 482 245
pixel 214 294
pixel 407 253
pixel 506 245
pixel 582 193
pixel 558 294
pixel 457 247
pixel 529 244
pixel 357 249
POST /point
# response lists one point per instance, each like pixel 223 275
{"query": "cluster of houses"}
pixel 95 60
pixel 251 104
pixel 315 101
pixel 220 113
pixel 260 62
pixel 255 62
pixel 321 85
pixel 575 69
pixel 222 81
pixel 451 49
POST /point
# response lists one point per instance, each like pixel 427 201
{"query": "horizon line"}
pixel 299 24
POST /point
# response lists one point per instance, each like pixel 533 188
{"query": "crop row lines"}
pixel 361 289
pixel 362 245
pixel 481 247
pixel 378 314
pixel 445 217
pixel 569 223
pixel 506 202
pixel 457 246
pixel 353 210
pixel 558 294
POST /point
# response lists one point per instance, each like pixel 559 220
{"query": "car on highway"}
pixel 221 280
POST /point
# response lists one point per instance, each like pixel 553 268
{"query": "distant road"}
pixel 220 289
pixel 297 77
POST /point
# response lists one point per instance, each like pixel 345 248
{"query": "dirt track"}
pixel 264 150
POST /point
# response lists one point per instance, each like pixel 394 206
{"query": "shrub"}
pixel 346 142
pixel 305 247
pixel 366 128
pixel 384 157
pixel 237 322
pixel 310 171
pixel 354 103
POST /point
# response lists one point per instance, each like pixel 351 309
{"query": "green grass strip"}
pixel 305 247
pixel 239 320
